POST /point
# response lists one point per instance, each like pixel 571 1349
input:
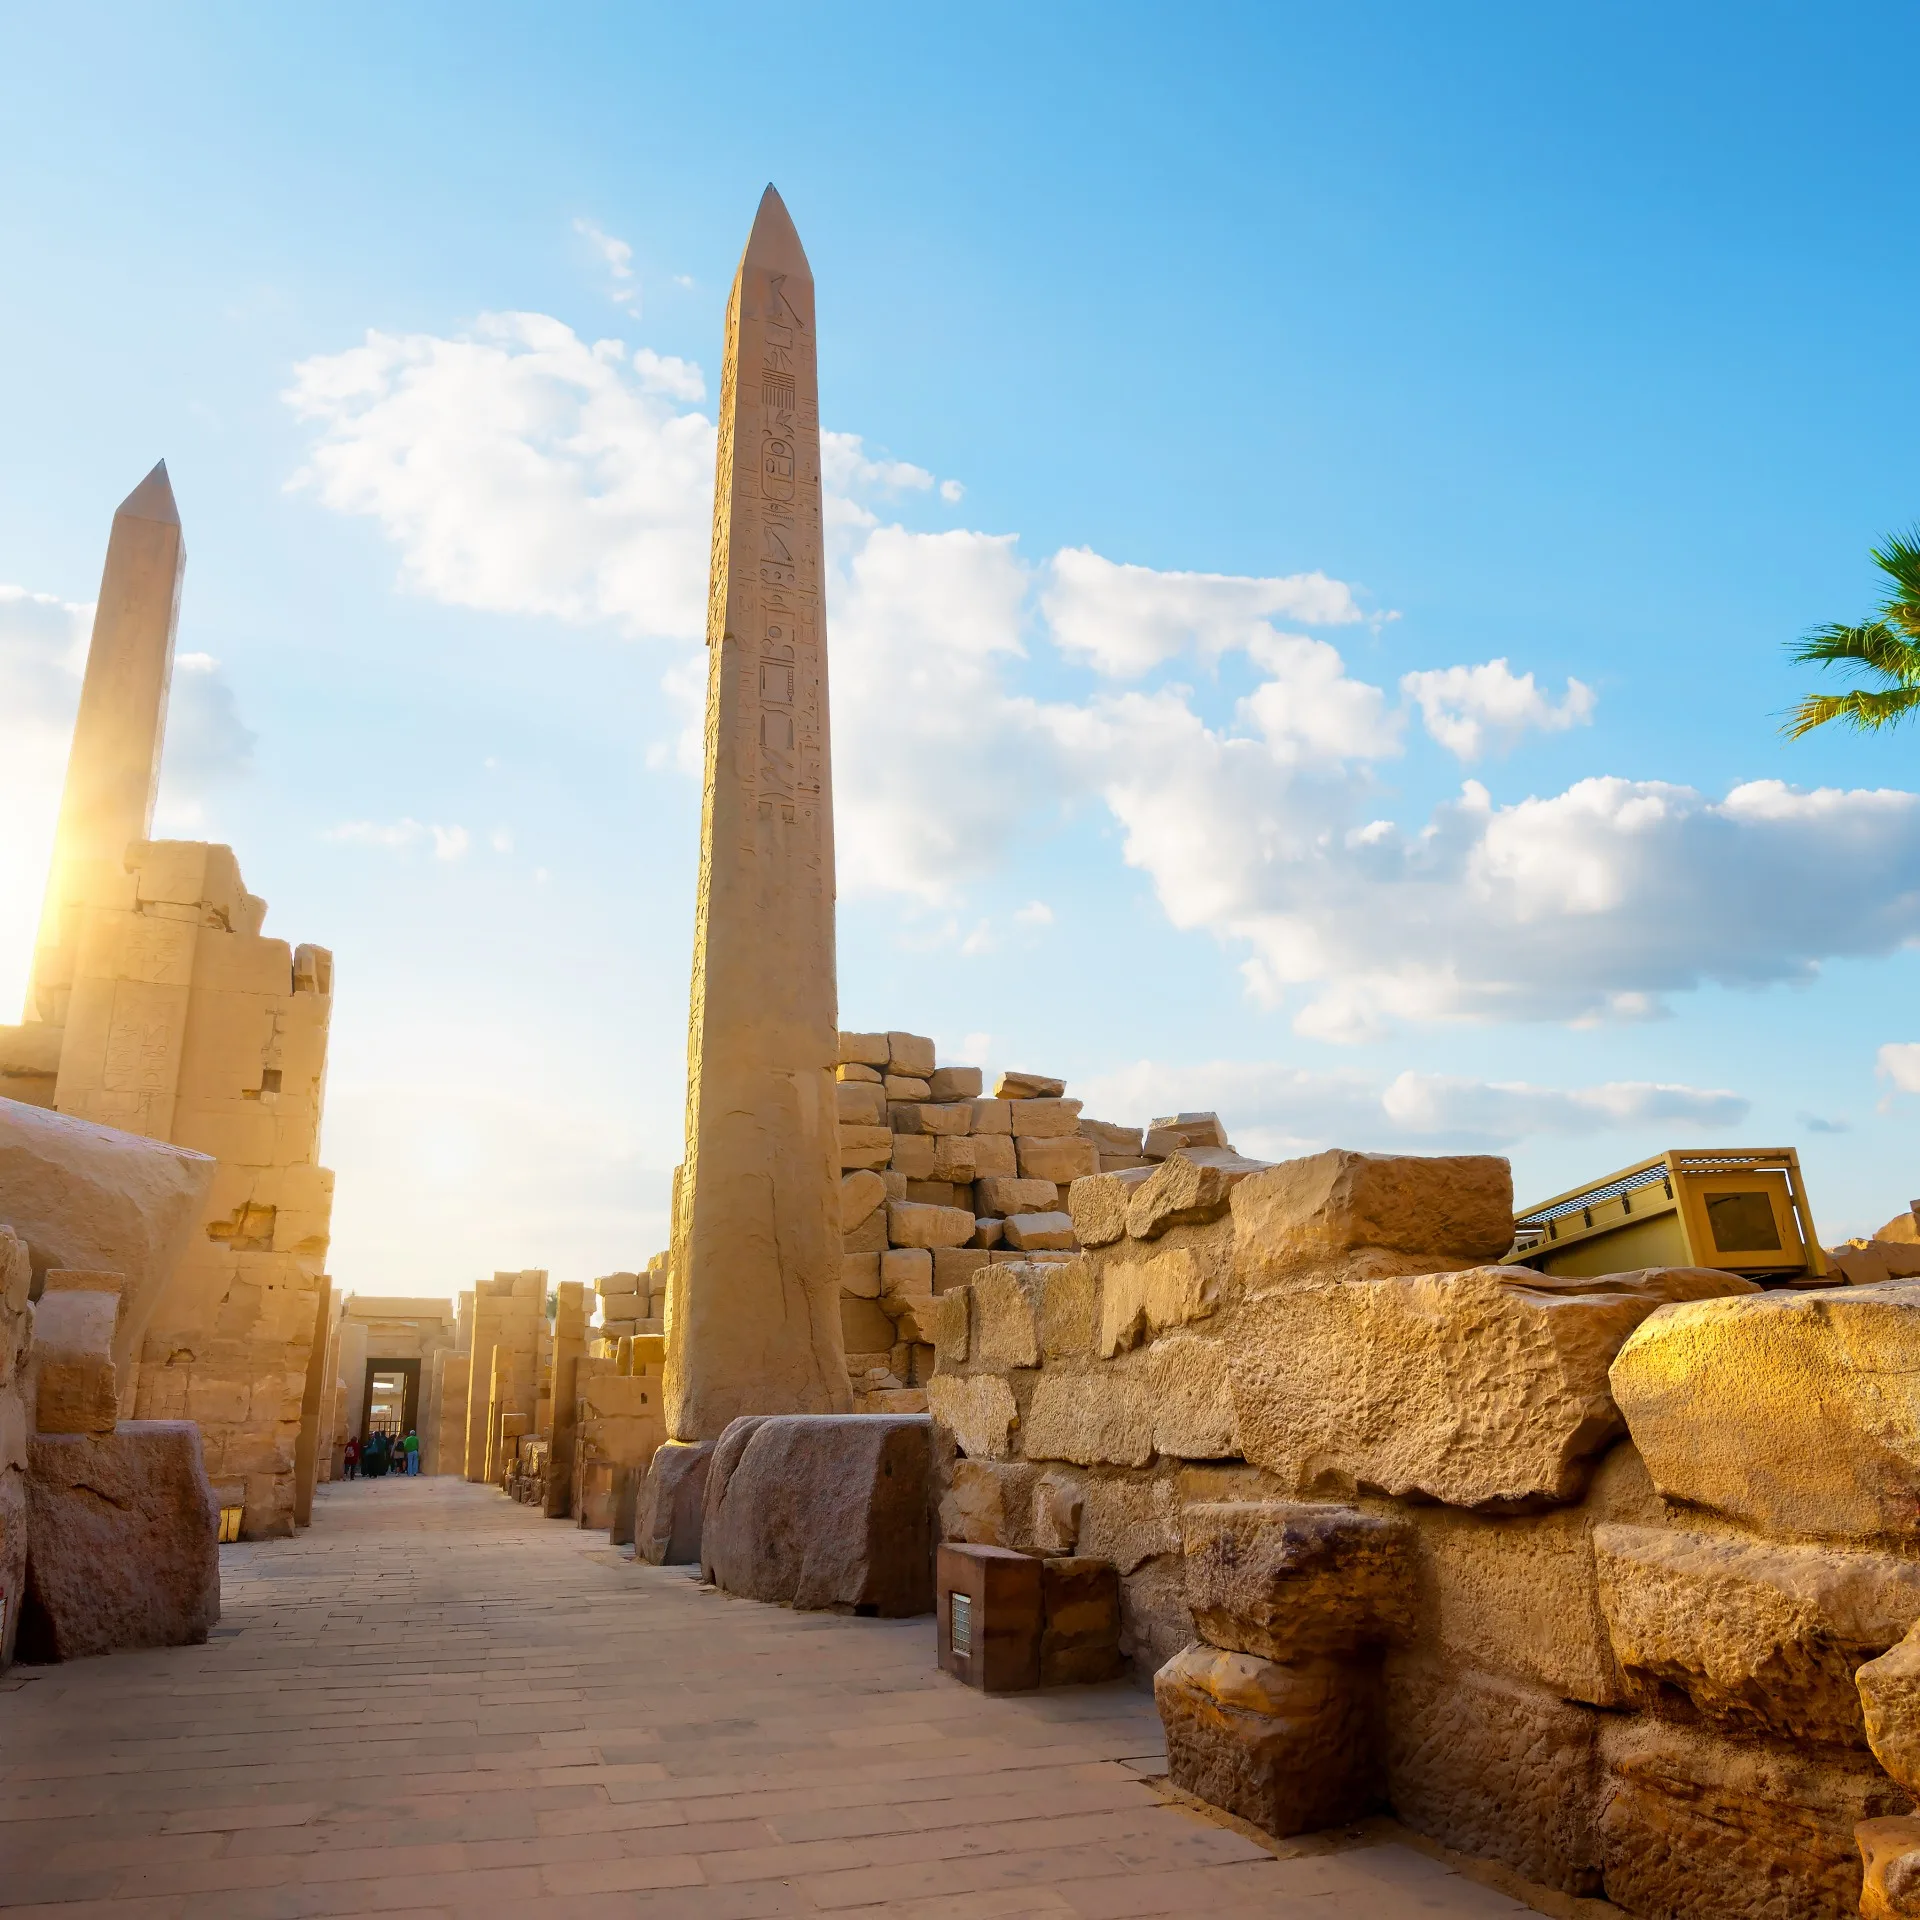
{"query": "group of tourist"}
pixel 384 1453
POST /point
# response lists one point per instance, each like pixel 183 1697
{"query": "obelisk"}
pixel 113 767
pixel 753 1317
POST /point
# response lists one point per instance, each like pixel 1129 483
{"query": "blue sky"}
pixel 1273 355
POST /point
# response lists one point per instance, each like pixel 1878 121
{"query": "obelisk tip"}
pixel 774 242
pixel 152 499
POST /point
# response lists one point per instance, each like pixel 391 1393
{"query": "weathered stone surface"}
pixel 1128 1518
pixel 912 1225
pixel 1790 1412
pixel 1695 1824
pixel 1289 1748
pixel 16 1278
pixel 94 1198
pixel 978 1411
pixel 1093 1419
pixel 1864 1263
pixel 933 1117
pixel 1140 1299
pixel 1006 1330
pixel 1172 1131
pixel 1027 1086
pixel 1110 1139
pixel 955 1083
pixel 1485 1388
pixel 866 1148
pixel 949 1327
pixel 1762 1638
pixel 667 1511
pixel 1098 1203
pixel 1155 1624
pixel 860 1194
pixel 1039 1232
pixel 1000 1197
pixel 1889 1691
pixel 1192 1186
pixel 1304 1212
pixel 863 1049
pixel 1292 1581
pixel 1059 1158
pixel 122 1542
pixel 825 1511
pixel 989 1502
pixel 1496 1768
pixel 1890 1855
pixel 956 1266
pixel 1080 1613
pixel 76 1389
pixel 1193 1411
pixel 1041 1116
pixel 857 1103
pixel 1066 1309
pixel 910 1053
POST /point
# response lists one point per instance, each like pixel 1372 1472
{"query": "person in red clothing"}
pixel 353 1456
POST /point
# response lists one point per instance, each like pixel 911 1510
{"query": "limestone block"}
pixel 1864 1263
pixel 1141 1299
pixel 1288 1748
pixel 903 1086
pixel 1693 1823
pixel 1292 1581
pixel 1193 1412
pixel 1485 1388
pixel 865 1049
pixel 948 1323
pixel 1122 1142
pixel 852 1070
pixel 1067 1309
pixel 1495 1768
pixel 1127 1518
pixel 860 1275
pixel 955 1083
pixel 860 1105
pixel 910 1053
pixel 1080 1616
pixel 75 1393
pixel 95 1199
pixel 928 1116
pixel 1890 1855
pixel 994 1157
pixel 1091 1419
pixel 1058 1158
pixel 954 1158
pixel 77 1320
pixel 911 1225
pixel 1043 1118
pixel 956 1266
pixel 1006 1330
pixel 1761 1638
pixel 864 1327
pixel 1098 1203
pixel 1001 1197
pixel 1058 1497
pixel 1031 1232
pixel 122 1542
pixel 912 1158
pixel 977 1410
pixel 1789 1412
pixel 989 1503
pixel 987 1232
pixel 993 1116
pixel 667 1511
pixel 867 1147
pixel 825 1511
pixel 1173 1131
pixel 1027 1086
pixel 870 1236
pixel 906 1273
pixel 1889 1690
pixel 940 1193
pixel 1190 1187
pixel 1459 1206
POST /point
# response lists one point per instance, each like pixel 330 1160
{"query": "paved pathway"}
pixel 436 1703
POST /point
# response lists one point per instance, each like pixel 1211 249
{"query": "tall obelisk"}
pixel 113 767
pixel 753 1320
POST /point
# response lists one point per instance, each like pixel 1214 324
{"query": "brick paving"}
pixel 435 1703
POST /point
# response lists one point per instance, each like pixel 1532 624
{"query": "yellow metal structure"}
pixel 230 1518
pixel 1744 1212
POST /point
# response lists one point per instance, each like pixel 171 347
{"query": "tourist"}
pixel 353 1457
pixel 376 1455
pixel 412 1444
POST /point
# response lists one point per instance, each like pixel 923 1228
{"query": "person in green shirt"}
pixel 412 1445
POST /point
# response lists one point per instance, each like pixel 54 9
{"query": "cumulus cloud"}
pixel 1899 1065
pixel 208 745
pixel 623 285
pixel 1471 710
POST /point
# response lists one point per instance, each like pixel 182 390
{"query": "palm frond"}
pixel 1899 559
pixel 1872 648
pixel 1863 711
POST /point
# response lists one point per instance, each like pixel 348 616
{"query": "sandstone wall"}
pixel 16 1275
pixel 1575 1574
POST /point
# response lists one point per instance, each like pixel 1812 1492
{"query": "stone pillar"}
pixel 490 1299
pixel 307 1446
pixel 755 1326
pixel 113 768
pixel 563 1396
pixel 450 1439
pixel 353 1374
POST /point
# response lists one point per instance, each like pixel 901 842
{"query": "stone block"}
pixel 1485 1388
pixel 825 1511
pixel 906 1273
pixel 1292 1581
pixel 122 1542
pixel 989 1502
pixel 1191 1187
pixel 912 1159
pixel 1174 1131
pixel 949 1326
pixel 1781 1410
pixel 993 1116
pixel 860 1105
pixel 75 1393
pixel 1495 1768
pixel 1288 1748
pixel 1060 1158
pixel 1763 1639
pixel 864 1147
pixel 860 1194
pixel 940 1193
pixel 1044 1118
pixel 956 1266
pixel 990 1616
pixel 1459 1206
pixel 1080 1621
pixel 870 1236
pixel 1125 1518
pixel 1890 1856
pixel 1006 1330
pixel 850 1070
pixel 668 1508
pixel 911 1225
pixel 903 1086
pixel 1001 1196
pixel 865 1049
pixel 978 1410
pixel 860 1275
pixel 931 1117
pixel 955 1083
pixel 1038 1232
pixel 1067 1296
pixel 1693 1823
pixel 1889 1692
pixel 1091 1419
pixel 1141 1299
pixel 864 1326
pixel 1027 1086
pixel 1110 1139
pixel 954 1159
pixel 910 1053
pixel 988 1232
pixel 994 1156
pixel 1099 1202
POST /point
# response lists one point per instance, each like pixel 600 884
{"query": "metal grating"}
pixel 1628 1183
pixel 960 1629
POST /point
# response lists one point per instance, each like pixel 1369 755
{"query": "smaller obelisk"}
pixel 113 767
pixel 753 1315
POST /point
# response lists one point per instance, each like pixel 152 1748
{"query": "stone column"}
pixel 113 767
pixel 754 1326
pixel 306 1452
pixel 569 1345
pixel 490 1300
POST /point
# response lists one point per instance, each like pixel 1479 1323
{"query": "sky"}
pixel 1318 501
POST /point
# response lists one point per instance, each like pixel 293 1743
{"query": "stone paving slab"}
pixel 438 1704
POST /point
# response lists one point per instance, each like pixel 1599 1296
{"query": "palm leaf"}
pixel 1863 711
pixel 1873 648
pixel 1899 560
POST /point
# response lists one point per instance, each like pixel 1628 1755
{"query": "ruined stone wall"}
pixel 16 1276
pixel 1586 1576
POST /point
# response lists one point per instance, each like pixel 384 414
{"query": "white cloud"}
pixel 449 843
pixel 1123 620
pixel 623 287
pixel 847 468
pixel 668 374
pixel 1471 710
pixel 1036 913
pixel 952 492
pixel 1899 1063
